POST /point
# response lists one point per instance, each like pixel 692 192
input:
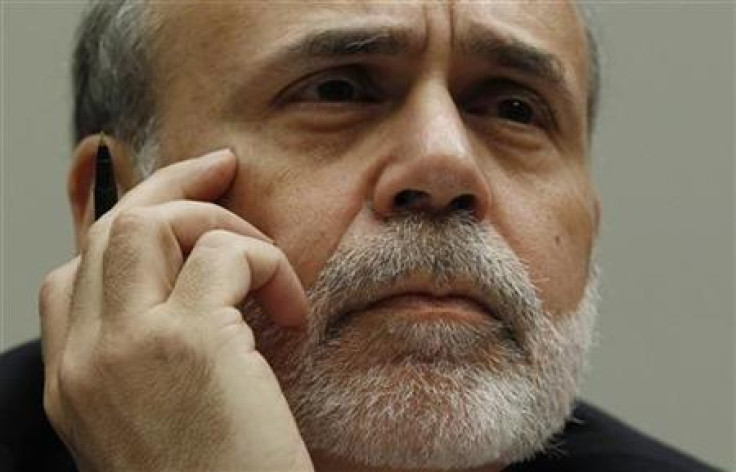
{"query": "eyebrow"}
pixel 518 56
pixel 480 41
pixel 350 42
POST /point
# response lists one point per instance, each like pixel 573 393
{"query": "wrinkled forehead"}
pixel 553 22
pixel 217 36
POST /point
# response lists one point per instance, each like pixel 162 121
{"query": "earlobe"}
pixel 81 178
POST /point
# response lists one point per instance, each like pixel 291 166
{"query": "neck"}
pixel 326 463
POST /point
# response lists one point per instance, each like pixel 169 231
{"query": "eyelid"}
pixel 350 73
pixel 508 88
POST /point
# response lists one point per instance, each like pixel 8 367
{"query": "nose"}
pixel 430 164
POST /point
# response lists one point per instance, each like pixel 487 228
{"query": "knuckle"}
pixel 128 232
pixel 49 285
pixel 168 347
pixel 111 356
pixel 269 252
pixel 162 175
pixel 228 323
pixel 52 409
pixel 49 403
pixel 164 342
pixel 73 380
pixel 217 238
pixel 97 231
pixel 258 366
pixel 170 175
pixel 277 252
pixel 53 282
pixel 190 205
pixel 129 221
pixel 227 316
pixel 51 399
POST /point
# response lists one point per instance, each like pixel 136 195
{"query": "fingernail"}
pixel 215 157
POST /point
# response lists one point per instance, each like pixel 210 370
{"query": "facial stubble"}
pixel 394 392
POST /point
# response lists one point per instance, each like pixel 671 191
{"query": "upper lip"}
pixel 418 286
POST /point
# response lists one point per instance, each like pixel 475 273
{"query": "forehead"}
pixel 223 38
pixel 553 21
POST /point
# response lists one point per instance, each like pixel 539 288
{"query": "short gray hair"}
pixel 594 64
pixel 111 75
pixel 113 89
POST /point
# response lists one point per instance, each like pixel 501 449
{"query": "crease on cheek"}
pixel 531 233
pixel 307 206
pixel 307 254
pixel 280 179
pixel 573 243
pixel 577 219
pixel 314 230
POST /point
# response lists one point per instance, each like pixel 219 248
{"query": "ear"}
pixel 80 183
pixel 596 214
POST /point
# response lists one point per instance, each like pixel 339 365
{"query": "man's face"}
pixel 398 129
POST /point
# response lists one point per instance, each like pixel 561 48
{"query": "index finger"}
pixel 204 178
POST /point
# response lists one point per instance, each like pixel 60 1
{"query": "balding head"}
pixel 113 77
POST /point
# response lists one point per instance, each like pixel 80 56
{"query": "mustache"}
pixel 449 253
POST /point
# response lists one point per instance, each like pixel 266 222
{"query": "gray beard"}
pixel 392 392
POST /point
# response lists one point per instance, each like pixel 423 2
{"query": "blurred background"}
pixel 663 161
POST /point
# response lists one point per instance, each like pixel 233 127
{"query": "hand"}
pixel 149 364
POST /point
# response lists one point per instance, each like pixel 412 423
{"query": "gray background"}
pixel 663 162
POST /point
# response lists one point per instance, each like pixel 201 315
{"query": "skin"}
pixel 310 176
pixel 534 189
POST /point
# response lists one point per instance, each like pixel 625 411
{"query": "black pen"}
pixel 106 192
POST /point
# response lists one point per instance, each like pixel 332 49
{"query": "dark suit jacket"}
pixel 591 442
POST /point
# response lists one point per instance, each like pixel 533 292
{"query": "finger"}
pixel 147 246
pixel 224 268
pixel 204 178
pixel 54 300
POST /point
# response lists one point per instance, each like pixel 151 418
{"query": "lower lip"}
pixel 428 308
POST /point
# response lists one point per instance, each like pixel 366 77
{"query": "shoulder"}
pixel 27 441
pixel 594 440
pixel 21 375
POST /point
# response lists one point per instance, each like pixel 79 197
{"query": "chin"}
pixel 401 393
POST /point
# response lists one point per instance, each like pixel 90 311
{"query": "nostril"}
pixel 407 199
pixel 464 202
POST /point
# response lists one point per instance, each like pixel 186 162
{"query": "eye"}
pixel 336 90
pixel 504 100
pixel 514 109
pixel 334 87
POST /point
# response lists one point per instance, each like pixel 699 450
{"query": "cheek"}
pixel 311 227
pixel 552 232
pixel 305 210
